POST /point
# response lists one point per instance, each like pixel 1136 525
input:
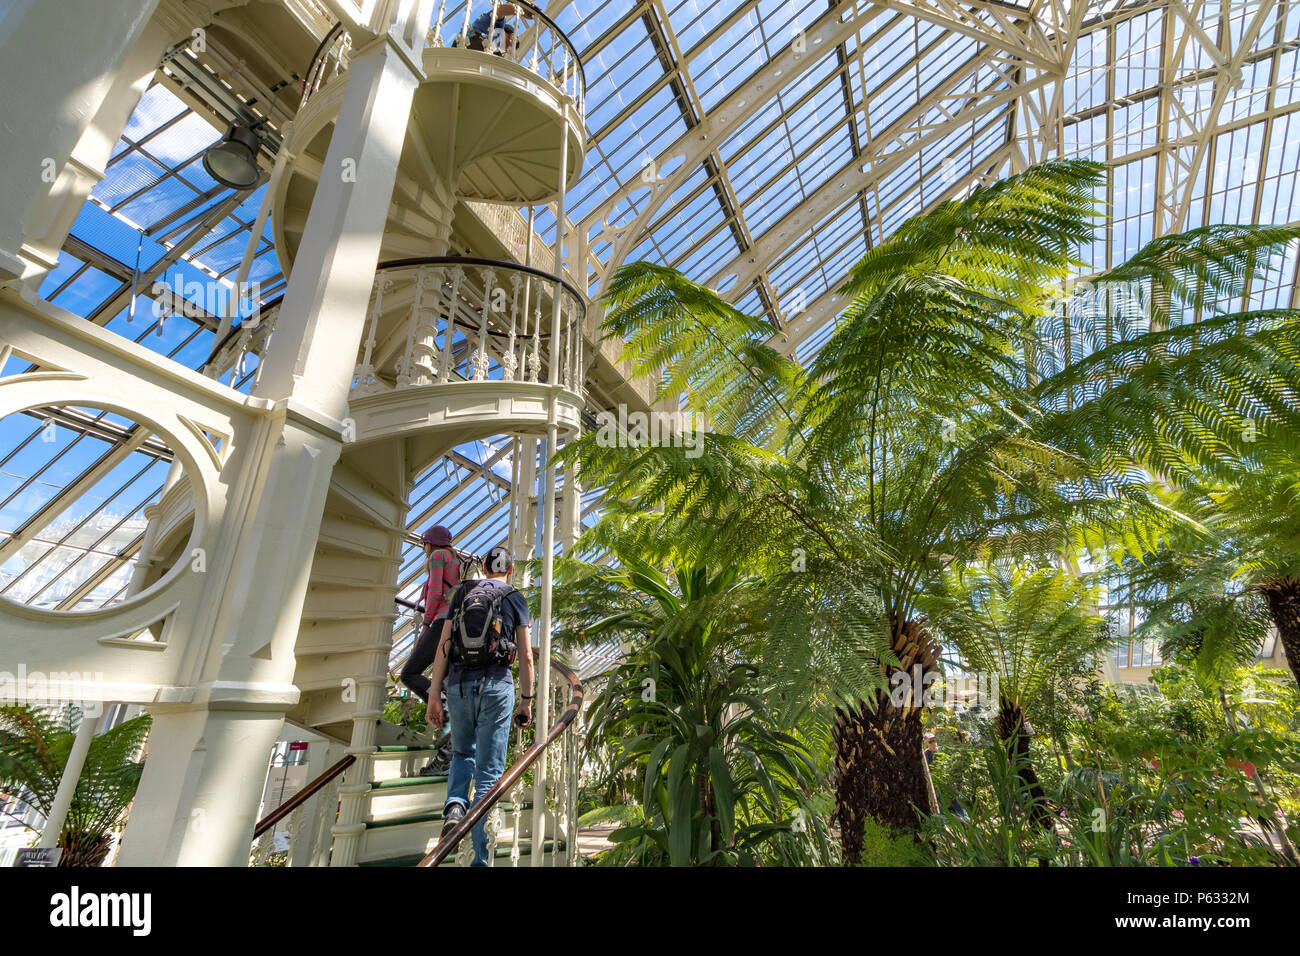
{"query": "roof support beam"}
pixel 120 299
pixel 955 100
pixel 829 304
pixel 690 150
pixel 1192 135
pixel 1013 32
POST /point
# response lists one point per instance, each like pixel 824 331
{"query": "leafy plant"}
pixel 1025 627
pixel 966 409
pixel 34 749
pixel 883 847
pixel 719 782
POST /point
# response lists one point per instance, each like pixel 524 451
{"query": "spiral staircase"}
pixel 439 368
pixel 454 349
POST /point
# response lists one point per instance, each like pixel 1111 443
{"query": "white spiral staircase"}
pixel 454 349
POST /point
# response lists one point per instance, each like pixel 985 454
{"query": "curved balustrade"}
pixel 500 316
pixel 445 319
pixel 539 45
pixel 330 59
pixel 244 342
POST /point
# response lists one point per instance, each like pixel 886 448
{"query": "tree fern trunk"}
pixel 879 761
pixel 83 848
pixel 1010 726
pixel 1283 596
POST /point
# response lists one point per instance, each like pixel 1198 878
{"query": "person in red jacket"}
pixel 443 574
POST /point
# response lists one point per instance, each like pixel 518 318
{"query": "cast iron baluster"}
pixel 537 45
pixel 537 341
pixel 571 849
pixel 481 360
pixel 464 28
pixel 406 374
pixel 436 38
pixel 449 333
pixel 366 372
pixel 508 359
pixel 426 332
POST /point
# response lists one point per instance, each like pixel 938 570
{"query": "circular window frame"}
pixel 191 465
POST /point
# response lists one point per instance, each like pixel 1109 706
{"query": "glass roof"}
pixel 787 138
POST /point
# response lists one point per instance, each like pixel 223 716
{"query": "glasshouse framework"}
pixel 759 148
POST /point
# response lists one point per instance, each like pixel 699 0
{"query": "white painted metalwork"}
pixel 448 320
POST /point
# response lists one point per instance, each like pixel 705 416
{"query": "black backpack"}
pixel 478 637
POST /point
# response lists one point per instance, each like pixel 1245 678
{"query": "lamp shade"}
pixel 233 161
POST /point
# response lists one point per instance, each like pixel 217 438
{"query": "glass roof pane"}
pixel 869 112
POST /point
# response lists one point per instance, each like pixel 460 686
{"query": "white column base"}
pixel 202 786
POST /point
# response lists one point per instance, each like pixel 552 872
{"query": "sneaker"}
pixel 451 816
pixel 433 768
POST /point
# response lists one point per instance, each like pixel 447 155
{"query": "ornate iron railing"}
pixel 538 44
pixel 443 319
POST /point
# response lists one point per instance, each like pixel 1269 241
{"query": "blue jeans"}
pixel 480 708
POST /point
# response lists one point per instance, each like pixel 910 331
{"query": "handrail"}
pixel 309 80
pixel 512 775
pixel 237 329
pixel 539 12
pixel 302 796
pixel 489 263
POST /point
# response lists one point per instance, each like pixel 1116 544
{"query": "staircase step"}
pixel 398 763
pixel 410 859
pixel 433 816
pixel 328 616
pixel 404 782
pixel 502 853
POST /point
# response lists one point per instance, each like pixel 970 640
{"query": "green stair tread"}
pixel 408 860
pixel 429 816
pixel 404 749
pixel 399 782
pixel 502 853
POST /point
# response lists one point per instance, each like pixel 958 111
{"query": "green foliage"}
pixel 719 782
pixel 1000 831
pixel 1026 625
pixel 881 847
pixel 693 341
pixel 967 411
pixel 405 709
pixel 1159 779
pixel 34 748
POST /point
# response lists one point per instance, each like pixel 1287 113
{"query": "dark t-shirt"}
pixel 514 613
